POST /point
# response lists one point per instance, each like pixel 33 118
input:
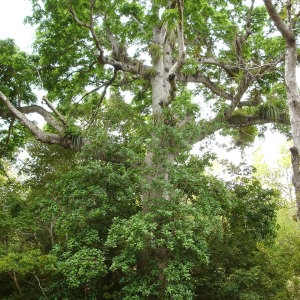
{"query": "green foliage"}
pixel 171 18
pixel 190 67
pixel 17 77
pixel 103 246
pixel 12 137
pixel 20 254
pixel 269 111
pixel 134 215
pixel 27 262
pixel 150 235
pixel 155 52
pixel 246 135
pixel 82 267
pixel 17 73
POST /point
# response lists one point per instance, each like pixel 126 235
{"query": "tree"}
pixel 287 25
pixel 181 45
pixel 92 65
pixel 278 175
pixel 86 217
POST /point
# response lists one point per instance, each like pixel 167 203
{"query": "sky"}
pixel 12 14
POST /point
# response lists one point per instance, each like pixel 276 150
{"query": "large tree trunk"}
pixel 293 97
pixel 158 156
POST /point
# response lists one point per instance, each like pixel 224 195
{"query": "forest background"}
pixel 130 213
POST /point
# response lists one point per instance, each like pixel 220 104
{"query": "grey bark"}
pixel 40 135
pixel 293 97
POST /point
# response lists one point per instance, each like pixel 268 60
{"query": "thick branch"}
pixel 287 34
pixel 255 119
pixel 254 101
pixel 208 128
pixel 241 90
pixel 133 66
pixel 200 78
pixel 36 109
pixel 230 70
pixel 296 176
pixel 39 134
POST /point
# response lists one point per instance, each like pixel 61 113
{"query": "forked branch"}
pixel 39 134
pixel 133 66
pixel 281 26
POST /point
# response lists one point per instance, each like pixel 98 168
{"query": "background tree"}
pixel 277 174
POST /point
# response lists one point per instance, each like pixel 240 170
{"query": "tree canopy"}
pixel 111 203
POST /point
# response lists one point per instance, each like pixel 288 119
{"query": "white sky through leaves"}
pixel 12 14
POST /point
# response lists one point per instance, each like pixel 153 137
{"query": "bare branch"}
pixel 241 38
pixel 39 134
pixel 92 29
pixel 255 119
pixel 248 23
pixel 133 66
pixel 102 97
pixel 139 24
pixel 36 109
pixel 200 78
pixel 230 70
pixel 60 116
pixel 91 92
pixel 208 128
pixel 187 119
pixel 247 80
pixel 79 22
pixel 90 26
pixel 40 286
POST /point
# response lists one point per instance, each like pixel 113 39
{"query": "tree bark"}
pixel 293 97
pixel 13 275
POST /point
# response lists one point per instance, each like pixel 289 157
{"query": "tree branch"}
pixel 102 96
pixel 60 116
pixel 40 135
pixel 139 24
pixel 133 66
pixel 208 128
pixel 281 26
pixel 200 78
pixel 90 26
pixel 230 70
pixel 181 48
pixel 36 109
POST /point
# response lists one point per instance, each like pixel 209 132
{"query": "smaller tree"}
pixel 278 176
